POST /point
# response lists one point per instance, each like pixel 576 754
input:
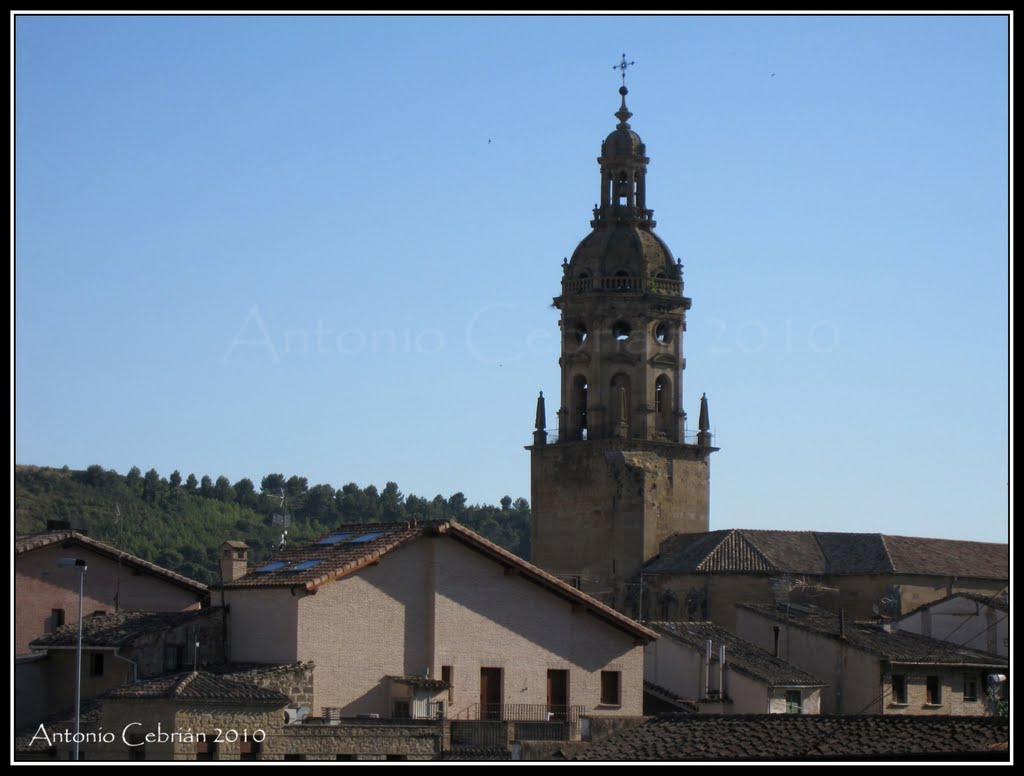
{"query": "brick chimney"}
pixel 234 561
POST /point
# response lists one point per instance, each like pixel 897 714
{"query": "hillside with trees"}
pixel 180 521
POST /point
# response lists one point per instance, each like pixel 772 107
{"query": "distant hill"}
pixel 179 522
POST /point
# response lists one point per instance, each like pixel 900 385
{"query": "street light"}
pixel 81 565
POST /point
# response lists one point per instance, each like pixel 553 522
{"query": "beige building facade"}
pixel 687 662
pixel 499 637
pixel 869 668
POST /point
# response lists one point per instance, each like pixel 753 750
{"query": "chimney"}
pixel 776 629
pixel 234 561
pixel 707 668
pixel 721 671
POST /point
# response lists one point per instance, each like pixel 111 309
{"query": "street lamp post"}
pixel 81 565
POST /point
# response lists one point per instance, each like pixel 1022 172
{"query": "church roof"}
pixel 739 550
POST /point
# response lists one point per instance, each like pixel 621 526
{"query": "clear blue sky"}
pixel 327 246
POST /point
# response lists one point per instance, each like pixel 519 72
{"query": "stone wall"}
pixel 295 681
pixel 602 507
pixel 363 740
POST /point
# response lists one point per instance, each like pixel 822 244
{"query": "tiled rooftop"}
pixel 796 737
pixel 200 687
pixel 819 553
pixel 895 645
pixel 740 655
pixel 117 630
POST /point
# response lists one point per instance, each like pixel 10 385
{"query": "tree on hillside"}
pixel 222 489
pixel 151 486
pixel 206 486
pixel 320 504
pixel 296 486
pixel 272 483
pixel 191 483
pixel 175 480
pixel 245 492
pixel 134 478
pixel 392 503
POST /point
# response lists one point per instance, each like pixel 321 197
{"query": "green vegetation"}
pixel 179 522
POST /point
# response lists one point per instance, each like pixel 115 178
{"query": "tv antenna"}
pixel 284 520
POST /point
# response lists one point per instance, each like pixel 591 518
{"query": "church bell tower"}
pixel 622 473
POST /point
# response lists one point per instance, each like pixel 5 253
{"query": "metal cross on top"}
pixel 622 67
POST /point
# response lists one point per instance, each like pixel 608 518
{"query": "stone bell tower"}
pixel 622 474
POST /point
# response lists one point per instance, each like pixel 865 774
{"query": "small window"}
pixel 620 330
pixel 970 688
pixel 933 691
pixel 662 333
pixel 579 333
pixel 446 676
pixel 402 710
pixel 207 750
pixel 793 702
pixel 56 619
pixel 96 664
pixel 610 688
pixel 899 688
pixel 99 613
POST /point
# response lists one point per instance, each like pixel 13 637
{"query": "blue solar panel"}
pixel 335 538
pixel 367 537
pixel 277 564
pixel 306 564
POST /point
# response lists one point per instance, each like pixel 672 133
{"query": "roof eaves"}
pixel 112 552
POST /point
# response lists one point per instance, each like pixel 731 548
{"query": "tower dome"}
pixel 622 252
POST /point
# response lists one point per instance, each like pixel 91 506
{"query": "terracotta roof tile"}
pixel 200 687
pixel 802 737
pixel 118 630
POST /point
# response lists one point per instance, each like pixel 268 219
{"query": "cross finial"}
pixel 621 67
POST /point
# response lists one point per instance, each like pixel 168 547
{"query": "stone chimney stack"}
pixel 234 561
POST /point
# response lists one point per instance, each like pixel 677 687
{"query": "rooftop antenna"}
pixel 120 552
pixel 284 520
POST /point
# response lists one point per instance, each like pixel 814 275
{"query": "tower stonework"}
pixel 621 475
